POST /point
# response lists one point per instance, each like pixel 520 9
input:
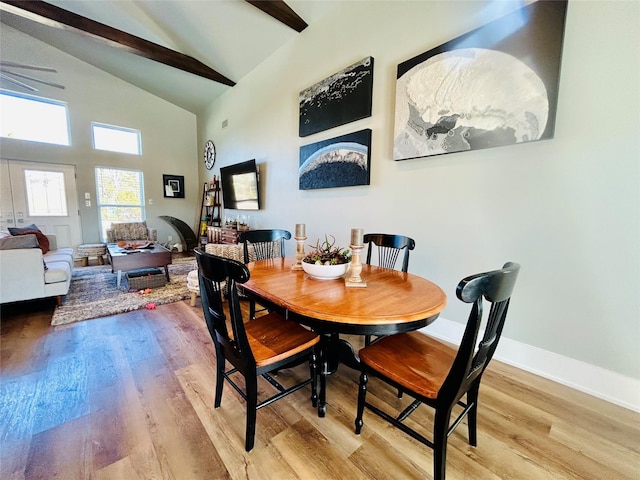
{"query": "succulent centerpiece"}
pixel 326 253
pixel 326 261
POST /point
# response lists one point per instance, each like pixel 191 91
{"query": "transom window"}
pixel 36 119
pixel 116 139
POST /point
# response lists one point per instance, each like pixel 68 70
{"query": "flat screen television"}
pixel 241 186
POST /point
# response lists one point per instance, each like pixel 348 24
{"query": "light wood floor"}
pixel 131 397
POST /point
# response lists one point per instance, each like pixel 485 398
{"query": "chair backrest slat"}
pixel 389 248
pixel 473 357
pixel 218 277
pixel 266 243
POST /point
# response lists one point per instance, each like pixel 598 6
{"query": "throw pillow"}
pixel 19 242
pixel 21 230
pixel 43 241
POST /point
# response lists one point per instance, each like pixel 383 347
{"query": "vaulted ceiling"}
pixel 227 37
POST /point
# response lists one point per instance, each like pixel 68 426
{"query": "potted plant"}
pixel 326 261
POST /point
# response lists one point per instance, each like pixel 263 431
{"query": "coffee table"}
pixel 123 260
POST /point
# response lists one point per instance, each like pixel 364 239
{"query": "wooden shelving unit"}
pixel 210 215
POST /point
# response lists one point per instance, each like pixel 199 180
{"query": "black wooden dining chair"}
pixel 253 349
pixel 261 245
pixel 388 248
pixel 435 374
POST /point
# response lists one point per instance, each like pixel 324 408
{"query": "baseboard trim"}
pixel 593 380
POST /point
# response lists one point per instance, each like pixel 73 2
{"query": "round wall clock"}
pixel 209 154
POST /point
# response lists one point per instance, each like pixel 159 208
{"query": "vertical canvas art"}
pixel 494 86
pixel 342 98
pixel 338 162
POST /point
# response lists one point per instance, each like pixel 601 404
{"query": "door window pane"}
pixel 46 195
pixel 25 117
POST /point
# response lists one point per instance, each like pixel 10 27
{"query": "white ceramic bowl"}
pixel 325 272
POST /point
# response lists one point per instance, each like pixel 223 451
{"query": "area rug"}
pixel 93 293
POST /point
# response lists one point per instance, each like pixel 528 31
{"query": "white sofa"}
pixel 22 269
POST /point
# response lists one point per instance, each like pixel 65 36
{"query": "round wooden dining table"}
pixel 392 302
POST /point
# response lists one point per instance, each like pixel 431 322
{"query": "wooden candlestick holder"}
pixel 299 253
pixel 354 279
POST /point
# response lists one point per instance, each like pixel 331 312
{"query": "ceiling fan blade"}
pixel 6 63
pixel 17 82
pixel 33 79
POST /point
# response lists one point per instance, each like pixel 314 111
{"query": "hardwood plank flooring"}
pixel 131 397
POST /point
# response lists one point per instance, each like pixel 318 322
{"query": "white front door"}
pixel 43 194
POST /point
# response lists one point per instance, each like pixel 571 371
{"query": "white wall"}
pixel 567 209
pixel 169 135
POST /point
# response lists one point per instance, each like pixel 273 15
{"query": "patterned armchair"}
pixel 131 231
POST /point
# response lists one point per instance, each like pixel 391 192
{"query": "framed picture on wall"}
pixel 343 161
pixel 496 85
pixel 342 98
pixel 173 186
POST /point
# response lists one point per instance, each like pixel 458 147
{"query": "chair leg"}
pixel 313 370
pixel 369 340
pixel 252 310
pixel 362 394
pixel 219 380
pixel 252 404
pixel 472 416
pixel 440 428
pixel 323 369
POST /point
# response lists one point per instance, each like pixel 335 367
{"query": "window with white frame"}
pixel 36 119
pixel 116 139
pixel 120 196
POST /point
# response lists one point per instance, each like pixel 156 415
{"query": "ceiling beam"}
pixel 56 17
pixel 282 12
